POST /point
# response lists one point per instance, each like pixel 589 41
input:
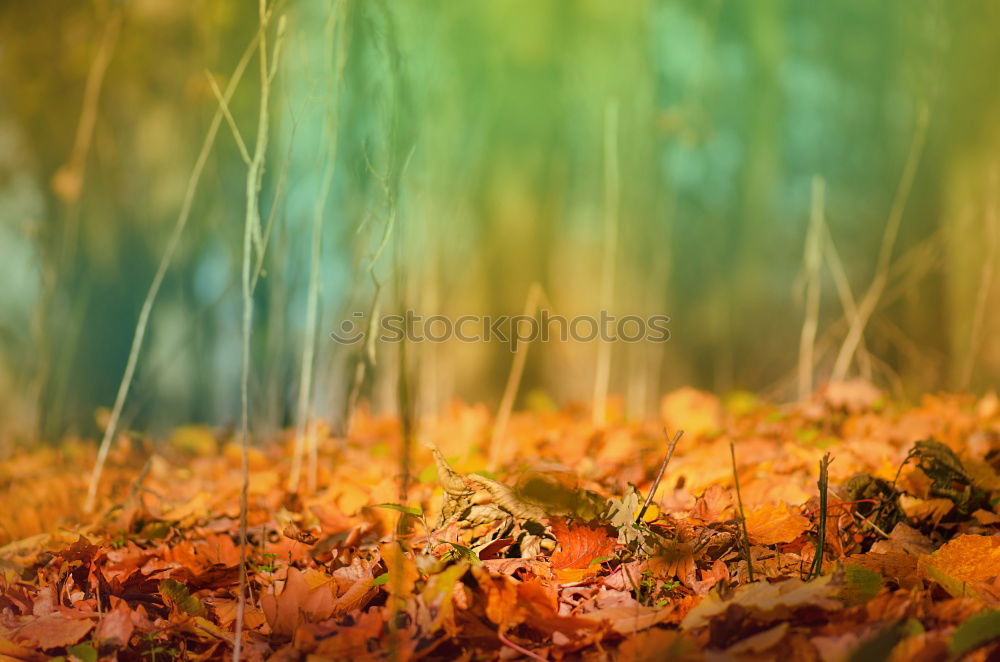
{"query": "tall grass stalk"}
pixel 337 35
pixel 843 287
pixel 877 287
pixel 50 386
pixel 161 271
pixel 535 295
pixel 985 281
pixel 309 343
pixel 813 265
pixel 611 196
pixel 251 229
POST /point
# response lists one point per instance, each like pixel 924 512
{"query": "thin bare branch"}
pixel 161 271
pixel 659 474
pixel 875 290
pixel 224 105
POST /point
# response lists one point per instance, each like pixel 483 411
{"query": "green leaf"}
pixel 154 531
pixel 84 652
pixel 462 551
pixel 876 647
pixel 381 579
pixel 982 628
pixel 441 585
pixel 911 627
pixel 861 585
pixel 409 510
pixel 180 595
pixel 599 560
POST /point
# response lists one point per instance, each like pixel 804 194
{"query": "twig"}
pixel 611 197
pixel 985 281
pixel 905 273
pixel 513 383
pixel 824 483
pixel 659 474
pixel 843 287
pixel 309 343
pixel 813 264
pixel 251 221
pixel 161 271
pixel 224 105
pixel 871 298
pixel 338 21
pixel 520 649
pixel 870 523
pixel 745 543
pixel 137 484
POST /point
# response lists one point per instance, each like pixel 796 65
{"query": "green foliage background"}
pixel 484 122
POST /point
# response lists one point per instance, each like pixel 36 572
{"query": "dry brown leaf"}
pixel 581 548
pixel 674 559
pixel 904 539
pixel 627 620
pixel 933 510
pixel 56 630
pixel 760 642
pixel 713 505
pixel 896 566
pixel 117 624
pixel 306 594
pixel 657 645
pixel 771 525
pixel 967 558
pixel 767 601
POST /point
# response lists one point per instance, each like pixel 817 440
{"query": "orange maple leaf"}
pixel 580 545
pixel 770 525
pixel 968 558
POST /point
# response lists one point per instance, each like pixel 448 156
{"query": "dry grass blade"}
pixel 877 287
pixel 611 197
pixel 813 264
pixel 745 542
pixel 250 225
pixel 659 474
pixel 161 271
pixel 985 281
pixel 535 295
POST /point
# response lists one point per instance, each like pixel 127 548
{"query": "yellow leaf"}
pixel 967 558
pixel 696 412
pixel 770 525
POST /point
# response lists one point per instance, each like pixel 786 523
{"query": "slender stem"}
pixel 251 226
pixel 602 376
pixel 520 649
pixel 743 519
pixel 513 383
pixel 309 343
pixel 843 287
pixel 161 271
pixel 339 24
pixel 985 281
pixel 874 293
pixel 824 481
pixel 659 474
pixel 813 264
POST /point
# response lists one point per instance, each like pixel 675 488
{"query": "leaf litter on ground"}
pixel 551 558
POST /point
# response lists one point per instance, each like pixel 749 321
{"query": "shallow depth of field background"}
pixel 481 128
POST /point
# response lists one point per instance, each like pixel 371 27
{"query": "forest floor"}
pixel 549 558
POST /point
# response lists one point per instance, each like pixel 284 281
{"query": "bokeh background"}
pixel 645 156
